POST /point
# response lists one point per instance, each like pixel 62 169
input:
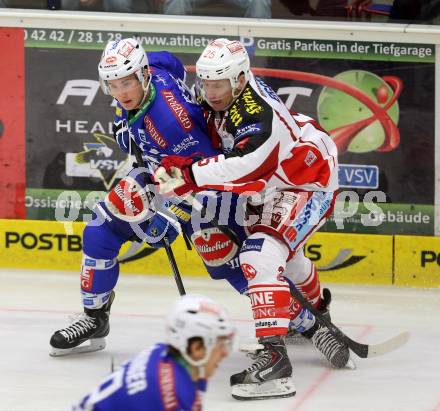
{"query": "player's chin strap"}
pixel 198 365
pixel 361 350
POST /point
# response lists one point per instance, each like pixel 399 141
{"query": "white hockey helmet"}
pixel 223 59
pixel 121 58
pixel 197 316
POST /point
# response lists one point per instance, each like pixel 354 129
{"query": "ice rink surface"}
pixel 34 303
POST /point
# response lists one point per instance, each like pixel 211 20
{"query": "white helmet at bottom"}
pixel 197 316
pixel 121 58
pixel 223 59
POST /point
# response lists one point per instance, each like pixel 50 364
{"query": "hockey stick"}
pixel 361 350
pixel 174 267
pixel 168 249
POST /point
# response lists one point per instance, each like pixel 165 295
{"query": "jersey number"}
pixel 112 383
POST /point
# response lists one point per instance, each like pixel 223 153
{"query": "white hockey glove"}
pixel 174 177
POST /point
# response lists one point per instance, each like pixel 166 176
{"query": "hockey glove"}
pixel 159 228
pixel 175 178
pixel 122 134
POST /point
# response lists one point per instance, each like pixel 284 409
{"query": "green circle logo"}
pixel 337 109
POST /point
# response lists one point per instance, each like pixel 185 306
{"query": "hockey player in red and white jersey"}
pixel 287 167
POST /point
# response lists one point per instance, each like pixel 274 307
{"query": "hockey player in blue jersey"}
pixel 173 375
pixel 156 112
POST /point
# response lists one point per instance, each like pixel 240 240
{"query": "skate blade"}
pixel 95 344
pixel 351 365
pixel 296 339
pixel 280 388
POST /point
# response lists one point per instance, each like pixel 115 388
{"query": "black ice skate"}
pixel 91 326
pixel 336 352
pixel 270 376
pixel 295 337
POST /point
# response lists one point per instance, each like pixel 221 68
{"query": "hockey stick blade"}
pixel 361 350
pixel 375 350
pixel 365 350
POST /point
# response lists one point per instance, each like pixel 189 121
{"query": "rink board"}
pixel 417 261
pixel 352 258
pixel 341 258
pixel 58 246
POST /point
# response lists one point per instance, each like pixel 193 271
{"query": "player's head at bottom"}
pixel 199 330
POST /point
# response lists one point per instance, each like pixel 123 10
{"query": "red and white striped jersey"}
pixel 266 147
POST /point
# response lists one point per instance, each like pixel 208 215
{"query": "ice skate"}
pixel 295 337
pixel 336 352
pixel 89 328
pixel 270 376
